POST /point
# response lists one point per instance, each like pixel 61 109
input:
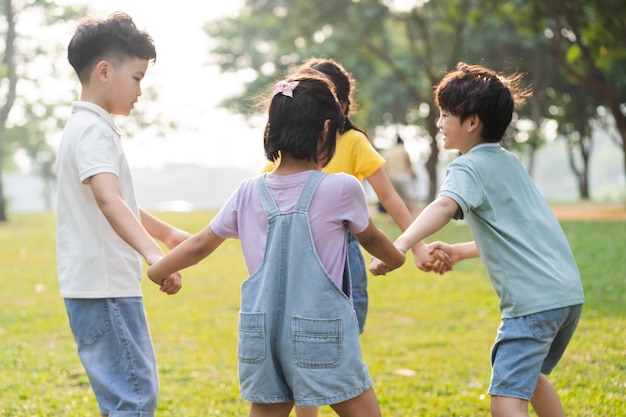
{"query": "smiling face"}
pixel 459 135
pixel 451 127
pixel 123 85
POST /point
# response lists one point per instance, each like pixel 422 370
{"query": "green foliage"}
pixel 397 56
pixel 382 48
pixel 426 342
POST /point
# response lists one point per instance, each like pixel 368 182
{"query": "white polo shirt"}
pixel 93 261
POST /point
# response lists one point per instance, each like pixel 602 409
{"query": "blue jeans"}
pixel 527 346
pixel 115 347
pixel 358 277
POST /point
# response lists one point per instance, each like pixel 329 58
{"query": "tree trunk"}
pixel 9 61
pixel 433 158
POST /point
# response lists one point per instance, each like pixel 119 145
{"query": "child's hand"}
pixel 172 284
pixel 378 267
pixel 434 260
pixel 443 252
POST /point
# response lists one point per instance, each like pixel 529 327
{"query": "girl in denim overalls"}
pixel 298 333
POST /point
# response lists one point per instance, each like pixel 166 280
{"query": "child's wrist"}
pixel 418 246
pixel 151 259
pixel 401 247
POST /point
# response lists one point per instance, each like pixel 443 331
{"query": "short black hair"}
pixel 114 38
pixel 476 90
pixel 295 123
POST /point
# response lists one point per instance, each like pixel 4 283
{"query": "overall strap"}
pixel 303 201
pixel 268 202
pixel 309 189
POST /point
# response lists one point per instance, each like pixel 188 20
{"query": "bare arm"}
pixel 188 253
pixel 106 189
pixel 169 235
pixel 393 204
pixel 379 245
pixel 457 251
pixel 390 199
pixel 433 218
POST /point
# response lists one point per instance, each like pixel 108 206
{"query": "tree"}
pixel 394 54
pixel 8 87
pixel 28 115
pixel 397 55
pixel 560 105
pixel 589 40
pixel 36 85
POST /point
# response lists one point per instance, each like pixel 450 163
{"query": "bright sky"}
pixel 188 88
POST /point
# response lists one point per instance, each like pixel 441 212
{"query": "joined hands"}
pixel 438 257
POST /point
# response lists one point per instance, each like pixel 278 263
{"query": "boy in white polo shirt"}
pixel 516 234
pixel 102 234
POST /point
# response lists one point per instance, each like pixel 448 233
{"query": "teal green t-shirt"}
pixel 518 237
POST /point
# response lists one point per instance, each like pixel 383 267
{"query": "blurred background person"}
pixel 401 173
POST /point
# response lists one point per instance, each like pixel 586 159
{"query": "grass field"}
pixel 426 341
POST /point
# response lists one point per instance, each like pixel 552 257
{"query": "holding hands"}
pixel 437 257
pixel 432 259
pixel 172 283
pixel 169 284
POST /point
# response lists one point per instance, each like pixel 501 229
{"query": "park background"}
pixel 196 134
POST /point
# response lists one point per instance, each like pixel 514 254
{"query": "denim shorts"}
pixel 115 347
pixel 527 346
pixel 318 363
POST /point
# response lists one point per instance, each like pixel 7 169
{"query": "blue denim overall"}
pixel 298 333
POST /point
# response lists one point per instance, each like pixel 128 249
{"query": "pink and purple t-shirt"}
pixel 339 204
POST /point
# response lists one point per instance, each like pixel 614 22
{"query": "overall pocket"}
pixel 316 342
pixel 251 343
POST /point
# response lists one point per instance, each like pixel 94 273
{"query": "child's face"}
pixel 452 130
pixel 124 85
pixel 457 135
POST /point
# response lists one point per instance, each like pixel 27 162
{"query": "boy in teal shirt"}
pixel 516 234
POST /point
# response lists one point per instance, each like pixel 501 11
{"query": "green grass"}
pixel 426 342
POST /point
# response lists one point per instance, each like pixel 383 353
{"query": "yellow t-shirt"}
pixel 354 155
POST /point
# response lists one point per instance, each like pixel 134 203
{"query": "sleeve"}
pixel 225 222
pixel 367 159
pixel 98 151
pixel 462 185
pixel 238 212
pixel 354 203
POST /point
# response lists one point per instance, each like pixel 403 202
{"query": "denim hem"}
pixel 317 402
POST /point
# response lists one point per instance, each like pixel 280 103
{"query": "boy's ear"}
pixel 102 70
pixel 473 123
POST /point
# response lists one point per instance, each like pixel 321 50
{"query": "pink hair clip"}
pixel 285 88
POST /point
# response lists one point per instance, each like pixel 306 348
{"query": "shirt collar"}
pixel 94 108
pixel 484 145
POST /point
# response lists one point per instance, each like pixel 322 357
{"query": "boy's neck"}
pixel 90 96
